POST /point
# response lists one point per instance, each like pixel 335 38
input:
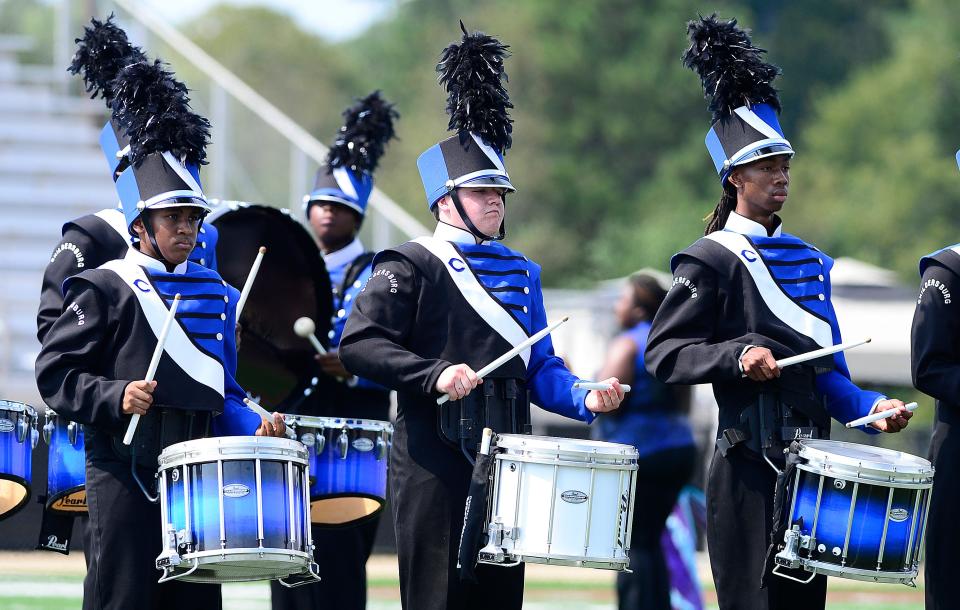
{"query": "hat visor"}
pixel 179 201
pixel 322 199
pixel 495 182
pixel 766 151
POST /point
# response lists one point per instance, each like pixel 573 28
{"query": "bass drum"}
pixel 275 365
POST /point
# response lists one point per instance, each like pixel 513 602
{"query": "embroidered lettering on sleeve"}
pixel 388 275
pixel 940 287
pixel 76 309
pixel 71 247
pixel 686 283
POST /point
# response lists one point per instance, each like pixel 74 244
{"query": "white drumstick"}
pixel 248 285
pixel 600 387
pixel 485 442
pixel 154 363
pixel 817 353
pixel 258 409
pixel 305 327
pixel 869 419
pixel 504 358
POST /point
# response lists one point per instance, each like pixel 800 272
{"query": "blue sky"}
pixel 333 19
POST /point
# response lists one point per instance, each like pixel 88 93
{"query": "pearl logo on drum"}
pixel 6 425
pixel 899 515
pixel 235 490
pixel 362 444
pixel 574 496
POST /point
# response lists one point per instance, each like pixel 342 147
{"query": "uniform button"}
pixel 341 313
pixel 226 299
pixel 524 309
pixel 219 336
pixel 357 284
pixel 820 277
pixel 526 290
pixel 527 272
pixel 203 261
pixel 821 297
pixel 820 260
pixel 347 298
pixel 203 244
pixel 331 334
pixel 223 316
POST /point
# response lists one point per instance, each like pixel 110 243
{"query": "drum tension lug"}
pixel 169 557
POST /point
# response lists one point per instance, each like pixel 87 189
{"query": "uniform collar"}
pixel 139 258
pixel 744 226
pixel 456 234
pixel 344 255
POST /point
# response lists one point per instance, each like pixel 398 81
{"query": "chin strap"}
pixel 469 223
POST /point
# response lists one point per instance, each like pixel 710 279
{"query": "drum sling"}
pixel 499 404
pixel 474 517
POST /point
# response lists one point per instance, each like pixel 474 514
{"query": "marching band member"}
pixel 93 239
pixel 742 296
pixel 438 308
pixel 651 420
pixel 935 359
pixel 95 355
pixel 335 209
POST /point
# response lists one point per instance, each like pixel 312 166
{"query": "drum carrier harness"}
pixel 501 404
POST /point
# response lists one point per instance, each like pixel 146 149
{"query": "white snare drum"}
pixel 857 512
pixel 235 508
pixel 560 501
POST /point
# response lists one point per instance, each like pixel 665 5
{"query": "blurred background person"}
pixel 652 419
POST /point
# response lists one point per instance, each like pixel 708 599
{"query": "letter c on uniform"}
pixel 456 264
pixel 141 285
pixel 749 255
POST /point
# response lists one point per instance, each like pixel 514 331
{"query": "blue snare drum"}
pixel 66 465
pixel 857 512
pixel 235 508
pixel 18 437
pixel 348 466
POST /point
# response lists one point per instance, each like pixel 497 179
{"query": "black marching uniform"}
pixel 935 360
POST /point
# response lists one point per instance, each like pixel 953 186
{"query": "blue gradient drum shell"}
pixel 348 467
pixel 66 465
pixel 18 437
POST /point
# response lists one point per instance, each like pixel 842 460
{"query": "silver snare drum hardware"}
pixel 857 512
pixel 561 501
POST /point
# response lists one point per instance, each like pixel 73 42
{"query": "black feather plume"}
pixel 102 51
pixel 367 127
pixel 153 108
pixel 731 69
pixel 472 73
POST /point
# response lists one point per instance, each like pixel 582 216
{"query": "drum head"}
pixel 274 363
pixel 841 458
pixel 573 448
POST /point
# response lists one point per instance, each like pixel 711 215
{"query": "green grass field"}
pixel 44 581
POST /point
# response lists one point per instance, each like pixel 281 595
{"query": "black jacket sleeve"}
pixel 76 252
pixel 685 344
pixel 71 368
pixel 379 338
pixel 935 336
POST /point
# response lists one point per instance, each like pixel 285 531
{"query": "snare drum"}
pixel 18 437
pixel 857 512
pixel 348 466
pixel 66 465
pixel 234 509
pixel 561 501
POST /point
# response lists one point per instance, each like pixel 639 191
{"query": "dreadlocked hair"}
pixel 727 204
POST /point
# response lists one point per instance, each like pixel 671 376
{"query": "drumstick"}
pixel 504 358
pixel 154 363
pixel 869 419
pixel 258 409
pixel 817 353
pixel 248 285
pixel 600 387
pixel 485 442
pixel 305 327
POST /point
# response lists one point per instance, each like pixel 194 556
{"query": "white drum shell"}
pixel 564 501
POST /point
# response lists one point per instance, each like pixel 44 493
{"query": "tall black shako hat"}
pixel 737 82
pixel 102 52
pixel 472 74
pixel 160 167
pixel 347 176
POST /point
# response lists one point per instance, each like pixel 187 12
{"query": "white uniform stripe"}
pixel 757 123
pixel 179 347
pixel 789 312
pixel 475 294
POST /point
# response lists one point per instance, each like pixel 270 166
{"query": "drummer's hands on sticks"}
pixel 894 423
pixel 331 365
pixel 275 428
pixel 759 364
pixel 137 397
pixel 602 401
pixel 457 381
